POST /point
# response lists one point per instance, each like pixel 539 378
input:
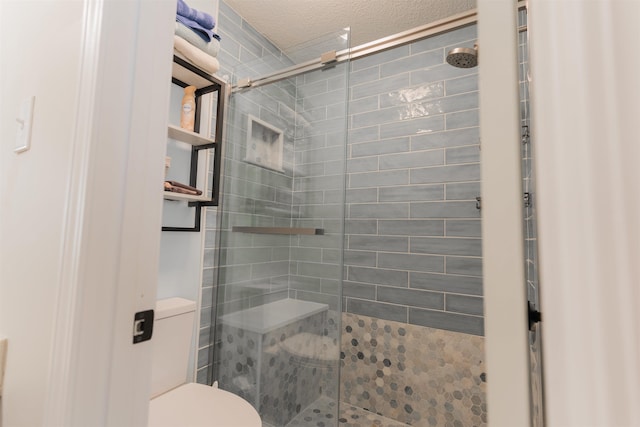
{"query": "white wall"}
pixel 40 56
pixel 40 51
pixel 180 268
pixel 108 268
pixel 585 88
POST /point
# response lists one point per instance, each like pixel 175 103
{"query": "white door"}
pixel 113 228
pixel 100 262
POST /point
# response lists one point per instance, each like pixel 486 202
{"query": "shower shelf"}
pixel 186 74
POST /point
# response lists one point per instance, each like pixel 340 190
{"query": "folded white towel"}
pixel 194 55
pixel 212 48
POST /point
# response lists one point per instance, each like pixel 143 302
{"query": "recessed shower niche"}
pixel 264 144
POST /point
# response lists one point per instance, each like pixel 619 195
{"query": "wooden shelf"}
pixel 193 138
pixel 170 195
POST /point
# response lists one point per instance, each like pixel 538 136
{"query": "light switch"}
pixel 24 121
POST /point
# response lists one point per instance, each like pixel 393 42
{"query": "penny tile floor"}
pixel 321 413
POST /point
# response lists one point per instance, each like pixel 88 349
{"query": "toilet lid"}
pixel 198 405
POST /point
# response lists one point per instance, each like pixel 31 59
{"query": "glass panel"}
pixel 530 223
pixel 279 288
pixel 412 337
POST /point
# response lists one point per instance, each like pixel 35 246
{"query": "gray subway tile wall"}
pixel 411 297
pixel 412 173
pixel 411 262
pixel 463 228
pixel 319 189
pixel 414 227
pixel 375 148
pixel 446 246
pixel 412 242
pixel 395 312
pixel 251 190
pixel 462 191
pixel 467 285
pixel 445 210
pixel 464 265
pixel 378 276
pixel 413 230
pixel 446 320
pixel 464 304
pixel 364 164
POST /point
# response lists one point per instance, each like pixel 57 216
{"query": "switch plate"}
pixel 24 121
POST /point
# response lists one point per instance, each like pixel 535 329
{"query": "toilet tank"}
pixel 172 333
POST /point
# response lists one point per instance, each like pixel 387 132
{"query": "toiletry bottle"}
pixel 188 112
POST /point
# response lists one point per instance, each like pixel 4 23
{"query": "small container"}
pixel 188 111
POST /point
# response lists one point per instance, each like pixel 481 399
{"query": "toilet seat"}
pixel 199 405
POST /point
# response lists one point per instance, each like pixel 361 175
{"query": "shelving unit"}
pixel 186 74
pixel 189 137
pixel 170 195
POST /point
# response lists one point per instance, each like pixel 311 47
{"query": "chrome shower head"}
pixel 463 57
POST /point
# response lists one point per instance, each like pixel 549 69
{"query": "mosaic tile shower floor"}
pixel 321 413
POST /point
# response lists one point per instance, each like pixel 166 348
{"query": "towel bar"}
pixel 278 230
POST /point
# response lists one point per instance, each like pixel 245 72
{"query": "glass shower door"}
pixel 281 237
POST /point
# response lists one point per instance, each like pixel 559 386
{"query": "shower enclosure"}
pixel 281 235
pixel 350 267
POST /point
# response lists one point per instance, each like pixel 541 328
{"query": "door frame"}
pixel 111 235
pixel 505 297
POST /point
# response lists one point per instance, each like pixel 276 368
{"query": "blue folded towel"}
pixel 204 33
pixel 203 19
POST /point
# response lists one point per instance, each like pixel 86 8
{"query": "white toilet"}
pixel 175 403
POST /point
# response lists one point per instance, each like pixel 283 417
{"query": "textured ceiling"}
pixel 288 23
